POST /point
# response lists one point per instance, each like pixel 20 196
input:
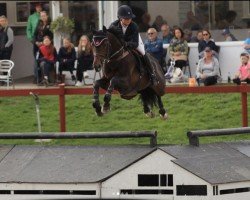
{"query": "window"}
pixel 149 192
pixel 235 190
pixel 3 9
pixel 191 190
pixel 25 9
pixel 155 180
pixel 215 190
pixel 148 180
pixel 85 15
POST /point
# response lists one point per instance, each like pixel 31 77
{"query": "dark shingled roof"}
pixel 66 164
pixel 215 163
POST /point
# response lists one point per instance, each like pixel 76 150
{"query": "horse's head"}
pixel 100 45
pixel 103 47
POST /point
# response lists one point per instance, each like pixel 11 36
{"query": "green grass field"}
pixel 186 112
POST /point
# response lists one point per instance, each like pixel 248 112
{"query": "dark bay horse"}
pixel 121 73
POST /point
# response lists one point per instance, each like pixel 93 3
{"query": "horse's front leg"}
pixel 107 97
pixel 96 103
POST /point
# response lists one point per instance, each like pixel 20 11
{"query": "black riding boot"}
pixel 150 71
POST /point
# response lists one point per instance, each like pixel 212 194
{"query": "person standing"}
pixel 30 30
pixel 167 36
pixel 6 39
pixel 42 30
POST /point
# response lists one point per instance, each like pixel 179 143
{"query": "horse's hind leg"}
pixel 147 110
pixel 162 111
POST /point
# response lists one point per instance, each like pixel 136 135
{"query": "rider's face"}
pixel 126 22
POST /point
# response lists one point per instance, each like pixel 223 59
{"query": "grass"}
pixel 186 112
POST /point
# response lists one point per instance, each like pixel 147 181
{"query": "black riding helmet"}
pixel 125 12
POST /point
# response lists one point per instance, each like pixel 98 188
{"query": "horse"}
pixel 121 72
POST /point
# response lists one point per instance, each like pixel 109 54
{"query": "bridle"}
pixel 109 57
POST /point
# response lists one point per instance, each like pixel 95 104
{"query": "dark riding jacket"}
pixel 131 36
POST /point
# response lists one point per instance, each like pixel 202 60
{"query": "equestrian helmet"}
pixel 125 12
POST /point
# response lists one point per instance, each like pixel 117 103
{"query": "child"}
pixel 243 74
pixel 47 59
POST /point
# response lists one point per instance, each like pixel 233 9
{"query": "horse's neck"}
pixel 115 43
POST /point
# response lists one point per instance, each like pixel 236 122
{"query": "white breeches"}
pixel 140 47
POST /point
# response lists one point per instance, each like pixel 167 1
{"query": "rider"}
pixel 127 30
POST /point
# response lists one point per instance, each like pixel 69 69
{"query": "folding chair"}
pixel 6 75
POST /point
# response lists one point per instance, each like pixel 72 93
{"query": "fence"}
pixel 61 91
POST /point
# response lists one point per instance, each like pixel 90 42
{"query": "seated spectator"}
pixel 167 36
pixel 84 60
pixel 66 58
pixel 158 23
pixel 228 35
pixel 207 42
pixel 154 45
pixel 178 49
pixel 243 74
pixel 197 38
pixel 144 25
pixel 246 44
pixel 47 59
pixel 187 35
pixel 208 68
pixel 6 39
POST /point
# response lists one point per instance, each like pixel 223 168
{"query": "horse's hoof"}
pixel 105 109
pixel 150 114
pixel 164 117
pixel 99 114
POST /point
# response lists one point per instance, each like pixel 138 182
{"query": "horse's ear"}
pixel 104 29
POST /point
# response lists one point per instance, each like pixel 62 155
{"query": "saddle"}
pixel 139 60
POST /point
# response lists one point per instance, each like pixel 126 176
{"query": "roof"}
pixel 65 164
pixel 215 163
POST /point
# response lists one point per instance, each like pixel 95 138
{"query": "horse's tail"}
pixel 149 97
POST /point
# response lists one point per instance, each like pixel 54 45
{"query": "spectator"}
pixel 84 59
pixel 243 74
pixel 187 35
pixel 144 25
pixel 158 23
pixel 66 58
pixel 228 36
pixel 198 37
pixel 6 39
pixel 191 23
pixel 30 30
pixel 42 30
pixel 208 68
pixel 207 42
pixel 154 45
pixel 246 44
pixel 47 59
pixel 167 36
pixel 178 48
